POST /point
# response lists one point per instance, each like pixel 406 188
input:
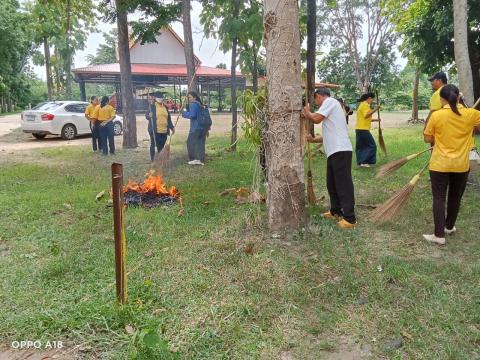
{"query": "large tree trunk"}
pixel 128 106
pixel 68 55
pixel 233 79
pixel 311 49
pixel 286 185
pixel 462 60
pixel 416 83
pixel 189 55
pixel 46 49
pixel 474 54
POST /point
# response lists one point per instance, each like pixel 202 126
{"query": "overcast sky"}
pixel 206 49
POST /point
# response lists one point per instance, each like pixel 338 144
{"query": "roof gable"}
pixel 169 49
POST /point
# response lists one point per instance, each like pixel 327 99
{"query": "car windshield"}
pixel 47 106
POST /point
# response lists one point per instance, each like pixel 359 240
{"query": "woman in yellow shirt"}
pixel 365 147
pixel 105 113
pixel 450 131
pixel 160 124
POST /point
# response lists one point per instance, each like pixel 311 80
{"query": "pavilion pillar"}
pixel 83 93
pixel 208 94
pixel 174 91
pixel 219 96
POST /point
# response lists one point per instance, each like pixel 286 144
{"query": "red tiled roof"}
pixel 154 69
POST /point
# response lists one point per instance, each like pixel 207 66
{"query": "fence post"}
pixel 119 233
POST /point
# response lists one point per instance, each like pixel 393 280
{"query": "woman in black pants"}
pixel 159 124
pixel 450 131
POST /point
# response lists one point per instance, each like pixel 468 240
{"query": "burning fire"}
pixel 152 184
pixel 151 193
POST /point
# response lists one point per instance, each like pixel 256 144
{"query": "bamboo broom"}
pixel 393 166
pixel 162 159
pixel 381 141
pixel 393 206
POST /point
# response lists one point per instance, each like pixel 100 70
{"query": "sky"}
pixel 206 49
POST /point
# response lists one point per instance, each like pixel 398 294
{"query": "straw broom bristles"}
pixel 393 206
pixel 393 166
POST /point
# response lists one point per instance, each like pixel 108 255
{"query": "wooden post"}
pixel 119 233
pixel 83 93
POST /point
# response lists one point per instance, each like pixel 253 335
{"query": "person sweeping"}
pixel 338 149
pixel 365 146
pixel 450 131
pixel 160 124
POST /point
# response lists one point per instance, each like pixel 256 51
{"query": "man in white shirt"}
pixel 338 149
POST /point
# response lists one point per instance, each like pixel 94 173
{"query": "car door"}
pixel 76 115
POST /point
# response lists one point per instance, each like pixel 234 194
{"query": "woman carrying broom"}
pixel 450 131
pixel 365 147
pixel 159 124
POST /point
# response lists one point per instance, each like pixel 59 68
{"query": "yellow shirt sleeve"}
pixel 363 123
pixel 476 117
pixel 87 110
pixel 430 128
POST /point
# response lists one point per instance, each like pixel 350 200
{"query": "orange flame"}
pixel 152 183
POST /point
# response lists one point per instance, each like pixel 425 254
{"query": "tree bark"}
pixel 68 55
pixel 233 79
pixel 286 186
pixel 415 96
pixel 311 49
pixel 188 39
pixel 46 50
pixel 128 106
pixel 462 59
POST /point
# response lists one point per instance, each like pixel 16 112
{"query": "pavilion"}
pixel 158 65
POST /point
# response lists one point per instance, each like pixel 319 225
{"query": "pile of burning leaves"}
pixel 151 193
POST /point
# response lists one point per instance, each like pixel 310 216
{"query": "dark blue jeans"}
pixel 96 140
pixel 107 135
pixel 159 140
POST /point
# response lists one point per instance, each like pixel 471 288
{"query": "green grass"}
pixel 193 291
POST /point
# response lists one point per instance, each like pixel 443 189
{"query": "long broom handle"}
pixel 378 110
pixel 183 105
pixel 476 104
pixel 413 156
pixel 415 179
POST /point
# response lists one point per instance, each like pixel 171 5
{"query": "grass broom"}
pixel 393 166
pixel 161 159
pixel 393 206
pixel 381 141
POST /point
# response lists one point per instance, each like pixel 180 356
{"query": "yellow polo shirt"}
pixel 90 111
pixel 435 103
pixel 105 113
pixel 162 119
pixel 453 138
pixel 363 123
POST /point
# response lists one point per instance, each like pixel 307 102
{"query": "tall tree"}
pixel 106 53
pixel 236 24
pixel 352 23
pixel 188 39
pixel 128 106
pixel 286 187
pixel 311 51
pixel 462 59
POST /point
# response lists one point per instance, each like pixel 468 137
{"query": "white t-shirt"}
pixel 334 127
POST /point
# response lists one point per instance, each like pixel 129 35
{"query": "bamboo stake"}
pixel 119 233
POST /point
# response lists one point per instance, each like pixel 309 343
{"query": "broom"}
pixel 393 166
pixel 162 159
pixel 393 206
pixel 381 141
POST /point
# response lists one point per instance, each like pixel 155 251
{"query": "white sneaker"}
pixel 198 162
pixel 434 239
pixel 192 162
pixel 365 165
pixel 451 231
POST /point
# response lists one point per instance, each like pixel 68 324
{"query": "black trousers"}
pixel 196 144
pixel 96 139
pixel 340 185
pixel 159 140
pixel 455 183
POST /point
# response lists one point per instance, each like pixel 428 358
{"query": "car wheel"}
pixel 39 135
pixel 69 132
pixel 117 128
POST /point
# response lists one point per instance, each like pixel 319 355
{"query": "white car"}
pixel 64 118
